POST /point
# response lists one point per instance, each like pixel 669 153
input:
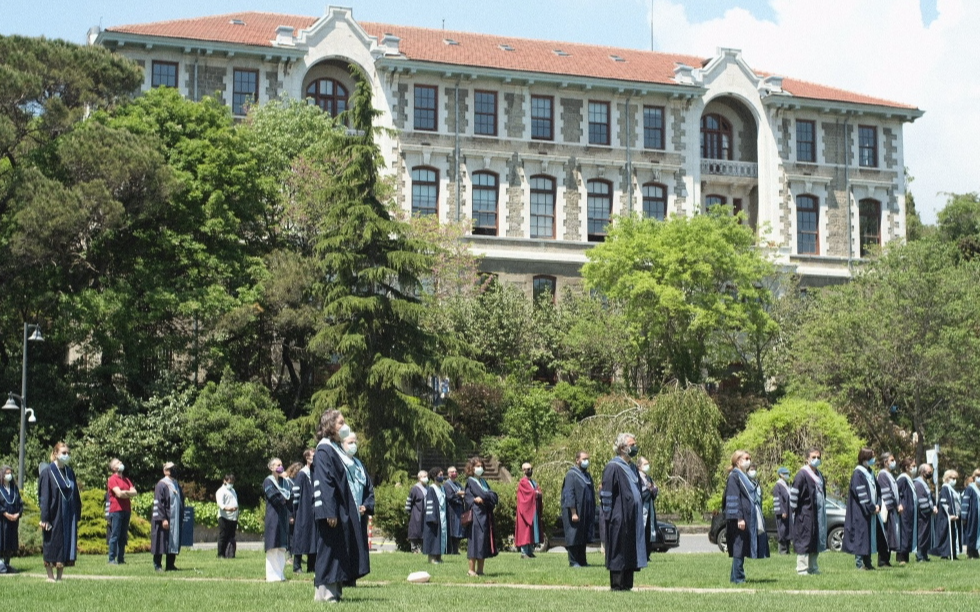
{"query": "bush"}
pixel 206 513
pixel 93 529
pixel 28 532
pixel 476 409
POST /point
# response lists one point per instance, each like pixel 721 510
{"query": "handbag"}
pixel 466 518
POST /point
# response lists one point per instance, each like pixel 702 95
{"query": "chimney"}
pixel 390 44
pixel 284 36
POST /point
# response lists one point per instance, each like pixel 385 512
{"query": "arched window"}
pixel 542 285
pixel 869 216
pixel 714 200
pixel 807 225
pixel 542 206
pixel 425 191
pixel 716 137
pixel 485 198
pixel 599 208
pixel 655 201
pixel 329 95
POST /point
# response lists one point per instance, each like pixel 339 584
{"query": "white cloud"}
pixel 876 47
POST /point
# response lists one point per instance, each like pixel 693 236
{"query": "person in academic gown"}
pixel 887 525
pixel 908 503
pixel 435 526
pixel 648 494
pixel 415 507
pixel 278 510
pixel 303 541
pixel 745 528
pixel 781 510
pixel 481 499
pixel 168 513
pixel 11 507
pixel 948 541
pixel 61 507
pixel 362 490
pixel 527 523
pixel 926 511
pixel 970 516
pixel 578 509
pixel 863 504
pixel 807 498
pixel 334 510
pixel 454 501
pixel 622 507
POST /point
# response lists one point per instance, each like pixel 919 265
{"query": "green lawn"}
pixel 209 584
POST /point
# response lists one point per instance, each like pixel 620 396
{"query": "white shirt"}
pixel 226 497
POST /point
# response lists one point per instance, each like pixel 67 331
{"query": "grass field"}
pixel 674 581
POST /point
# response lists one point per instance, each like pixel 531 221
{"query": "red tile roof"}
pixel 479 50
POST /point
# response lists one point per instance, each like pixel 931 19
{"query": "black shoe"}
pixel 869 568
pixel 173 569
pixel 884 564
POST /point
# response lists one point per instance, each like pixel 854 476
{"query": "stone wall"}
pixel 274 84
pixel 210 82
pixel 573 201
pixel 837 219
pixel 450 97
pixel 891 148
pixel 837 144
pixel 627 122
pixel 514 115
pixel 785 139
pixel 399 110
pixel 571 118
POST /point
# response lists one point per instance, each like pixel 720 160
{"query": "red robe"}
pixel 528 525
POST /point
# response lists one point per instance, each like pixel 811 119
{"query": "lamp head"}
pixel 11 404
pixel 30 415
pixel 36 336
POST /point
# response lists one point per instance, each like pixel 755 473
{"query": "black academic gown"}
pixel 578 496
pixel 367 500
pixel 924 515
pixel 337 552
pixel 803 501
pixel 481 532
pixel 168 503
pixel 10 503
pixel 435 515
pixel 304 531
pixel 278 510
pixel 415 506
pixel 948 540
pixel 741 505
pixel 61 507
pixel 907 522
pixel 622 507
pixel 970 517
pixel 859 527
pixel 889 500
pixel 648 495
pixel 781 506
pixel 454 509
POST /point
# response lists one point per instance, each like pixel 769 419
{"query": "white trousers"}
pixel 275 565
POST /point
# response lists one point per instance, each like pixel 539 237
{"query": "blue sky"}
pixel 901 50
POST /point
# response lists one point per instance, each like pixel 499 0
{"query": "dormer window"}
pixel 617 58
pixel 506 48
pixel 561 53
pixel 450 42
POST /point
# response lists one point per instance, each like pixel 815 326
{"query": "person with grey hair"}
pixel 168 511
pixel 120 491
pixel 925 511
pixel 278 510
pixel 622 509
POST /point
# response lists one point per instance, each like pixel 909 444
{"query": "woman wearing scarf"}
pixel 970 516
pixel 278 510
pixel 61 507
pixel 746 531
pixel 948 540
pixel 863 504
pixel 889 529
pixel 362 491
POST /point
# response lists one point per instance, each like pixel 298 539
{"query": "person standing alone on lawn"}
pixel 121 492
pixel 168 512
pixel 480 502
pixel 11 507
pixel 578 509
pixel 227 517
pixel 61 508
pixel 781 510
pixel 746 530
pixel 527 524
pixel 807 500
pixel 622 508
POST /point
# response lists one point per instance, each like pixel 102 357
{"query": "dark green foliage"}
pixel 93 527
pixel 959 223
pixel 476 409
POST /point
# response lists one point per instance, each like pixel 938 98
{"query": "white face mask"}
pixel 344 432
pixel 815 463
pixel 478 471
pixel 8 477
pixel 891 465
pixel 752 473
pixel 352 449
pixel 121 468
pixel 424 480
pixel 745 464
pixel 646 468
pixel 64 459
pixel 914 470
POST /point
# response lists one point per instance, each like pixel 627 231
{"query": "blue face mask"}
pixel 440 478
pixel 871 462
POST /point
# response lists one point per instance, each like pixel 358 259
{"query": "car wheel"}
pixel 835 539
pixel 723 541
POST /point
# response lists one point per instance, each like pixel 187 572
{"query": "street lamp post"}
pixel 10 405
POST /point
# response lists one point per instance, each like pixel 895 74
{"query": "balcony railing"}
pixel 723 167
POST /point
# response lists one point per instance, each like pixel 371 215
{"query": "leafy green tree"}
pixel 959 223
pixel 371 271
pixel 681 282
pixel 914 228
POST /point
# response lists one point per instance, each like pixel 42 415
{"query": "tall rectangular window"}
pixel 655 201
pixel 806 145
pixel 245 90
pixel 599 209
pixel 425 191
pixel 869 217
pixel 163 74
pixel 485 113
pixel 542 118
pixel 653 127
pixel 542 207
pixel 599 123
pixel 485 203
pixel 426 97
pixel 807 225
pixel 868 146
pixel 542 286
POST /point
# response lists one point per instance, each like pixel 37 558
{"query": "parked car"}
pixel 836 511
pixel 669 536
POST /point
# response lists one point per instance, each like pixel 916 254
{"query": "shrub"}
pixel 389 513
pixel 93 529
pixel 28 532
pixel 206 513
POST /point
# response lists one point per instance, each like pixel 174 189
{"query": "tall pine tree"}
pixel 372 269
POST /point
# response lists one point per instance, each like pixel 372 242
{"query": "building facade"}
pixel 536 145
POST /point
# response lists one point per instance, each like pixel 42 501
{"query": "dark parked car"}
pixel 669 536
pixel 836 511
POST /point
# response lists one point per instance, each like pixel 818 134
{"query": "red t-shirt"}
pixel 124 484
